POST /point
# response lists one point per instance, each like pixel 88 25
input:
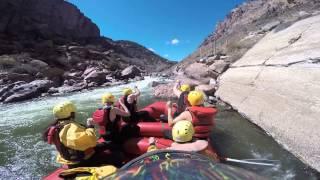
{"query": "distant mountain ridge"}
pixel 52 41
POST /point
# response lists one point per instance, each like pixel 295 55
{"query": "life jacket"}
pixel 183 103
pixel 64 151
pixel 202 120
pixel 107 129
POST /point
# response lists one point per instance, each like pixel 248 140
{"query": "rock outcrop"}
pixel 236 34
pixel 252 20
pixel 276 84
pixel 130 72
pixel 20 91
pixel 47 19
pixel 52 40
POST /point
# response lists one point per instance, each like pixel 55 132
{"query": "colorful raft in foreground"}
pixel 135 147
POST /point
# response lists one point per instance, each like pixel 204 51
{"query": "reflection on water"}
pixel 23 154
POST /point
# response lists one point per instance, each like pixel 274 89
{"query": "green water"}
pixel 24 156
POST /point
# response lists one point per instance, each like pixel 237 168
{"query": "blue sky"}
pixel 171 28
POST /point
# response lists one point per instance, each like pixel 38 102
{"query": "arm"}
pixel 183 116
pixel 136 91
pixel 134 97
pixel 120 112
pixel 176 89
pixel 169 107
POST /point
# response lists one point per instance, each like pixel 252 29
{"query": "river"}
pixel 24 156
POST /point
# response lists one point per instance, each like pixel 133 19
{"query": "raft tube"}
pixel 139 146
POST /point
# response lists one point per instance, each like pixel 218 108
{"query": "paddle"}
pixel 260 162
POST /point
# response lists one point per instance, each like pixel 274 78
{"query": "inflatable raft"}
pixel 135 147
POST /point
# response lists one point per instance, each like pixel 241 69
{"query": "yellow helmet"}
pixel 196 98
pixel 108 98
pixel 127 91
pixel 63 110
pixel 182 131
pixel 185 87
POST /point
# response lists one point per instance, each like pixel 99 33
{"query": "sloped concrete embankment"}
pixel 276 85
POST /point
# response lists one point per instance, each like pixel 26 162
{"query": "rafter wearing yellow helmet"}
pixel 127 91
pixel 64 110
pixel 108 98
pixel 182 131
pixel 185 88
pixel 196 98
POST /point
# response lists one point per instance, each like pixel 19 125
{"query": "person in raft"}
pixel 108 118
pixel 76 143
pixel 130 99
pixel 181 91
pixel 182 135
pixel 201 117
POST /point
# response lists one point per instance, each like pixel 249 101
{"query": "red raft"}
pixel 135 147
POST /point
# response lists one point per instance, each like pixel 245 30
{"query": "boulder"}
pixel 72 75
pixel 164 91
pixel 38 64
pixel 21 92
pixel 88 71
pixel 207 89
pixel 212 59
pixel 200 72
pixel 13 77
pixel 269 26
pixel 219 66
pixel 97 77
pixel 53 90
pixel 191 82
pixel 138 78
pixel 67 89
pixel 130 72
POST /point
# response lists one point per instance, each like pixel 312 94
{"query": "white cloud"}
pixel 151 49
pixel 175 41
pixel 166 55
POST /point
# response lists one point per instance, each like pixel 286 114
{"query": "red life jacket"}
pixel 107 129
pixel 65 152
pixel 202 120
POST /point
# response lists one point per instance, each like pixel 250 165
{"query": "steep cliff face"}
pixel 248 23
pixel 276 84
pixel 45 19
pixel 242 28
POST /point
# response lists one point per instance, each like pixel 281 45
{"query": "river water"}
pixel 24 156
